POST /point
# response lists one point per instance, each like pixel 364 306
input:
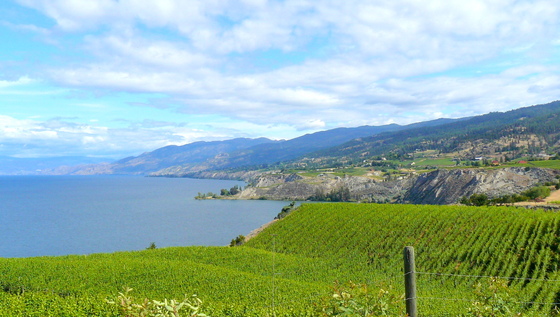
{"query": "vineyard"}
pixel 293 265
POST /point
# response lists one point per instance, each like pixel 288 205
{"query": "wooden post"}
pixel 410 282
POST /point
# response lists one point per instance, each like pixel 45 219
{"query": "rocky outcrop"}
pixel 449 186
pixel 438 187
pixel 296 187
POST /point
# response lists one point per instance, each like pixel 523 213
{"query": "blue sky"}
pixel 110 78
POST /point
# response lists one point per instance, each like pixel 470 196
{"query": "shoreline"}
pixel 257 231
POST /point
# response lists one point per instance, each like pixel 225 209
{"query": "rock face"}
pixel 438 187
pixel 296 187
pixel 448 186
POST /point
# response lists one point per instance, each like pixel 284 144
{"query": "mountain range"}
pixel 528 130
pixel 236 154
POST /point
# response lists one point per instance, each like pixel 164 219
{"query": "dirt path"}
pixel 554 196
pixel 255 232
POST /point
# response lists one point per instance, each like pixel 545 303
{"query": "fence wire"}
pixel 489 276
pixel 481 277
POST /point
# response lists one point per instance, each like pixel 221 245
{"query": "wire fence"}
pixel 425 288
pixel 497 294
pixel 478 277
pixel 450 277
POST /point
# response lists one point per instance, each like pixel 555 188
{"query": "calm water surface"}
pixel 58 215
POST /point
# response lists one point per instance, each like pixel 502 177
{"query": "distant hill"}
pixel 32 166
pixel 527 130
pixel 266 154
pixel 192 155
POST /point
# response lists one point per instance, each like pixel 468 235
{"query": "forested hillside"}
pixel 524 131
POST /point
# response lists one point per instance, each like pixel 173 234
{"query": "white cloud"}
pixel 19 82
pixel 74 15
pixel 302 65
pixel 136 52
pixel 59 137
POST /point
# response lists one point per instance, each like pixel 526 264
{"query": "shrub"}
pixel 359 300
pixel 127 307
pixel 239 240
pixel 475 200
pixel 537 192
pixel 286 210
pixel 493 299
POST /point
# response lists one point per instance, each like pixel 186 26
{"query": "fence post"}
pixel 410 282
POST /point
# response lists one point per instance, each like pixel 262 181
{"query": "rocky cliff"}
pixel 448 186
pixel 437 187
pixel 296 187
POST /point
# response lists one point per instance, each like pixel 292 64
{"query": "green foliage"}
pixel 208 195
pixel 537 192
pixel 232 191
pixel 291 265
pixel 127 307
pixel 358 300
pixel 488 241
pixel 152 246
pixel 475 200
pixel 239 240
pixel 286 210
pixel 493 299
pixel 339 194
pixel 554 163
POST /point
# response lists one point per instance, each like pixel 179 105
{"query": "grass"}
pixel 434 162
pixel 293 264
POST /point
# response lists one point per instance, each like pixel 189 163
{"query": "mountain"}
pixel 193 155
pixel 265 154
pixel 528 130
pixel 32 166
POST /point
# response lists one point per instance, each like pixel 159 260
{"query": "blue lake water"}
pixel 59 215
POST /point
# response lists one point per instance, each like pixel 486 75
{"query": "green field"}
pixel 290 268
pixel 434 162
pixel 543 164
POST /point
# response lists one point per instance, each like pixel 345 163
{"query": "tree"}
pixel 475 200
pixel 537 192
pixel 234 190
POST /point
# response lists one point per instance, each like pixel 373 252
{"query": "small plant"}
pixel 286 210
pixel 493 299
pixel 239 240
pixel 152 246
pixel 151 308
pixel 358 300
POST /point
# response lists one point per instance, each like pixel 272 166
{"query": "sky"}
pixel 114 78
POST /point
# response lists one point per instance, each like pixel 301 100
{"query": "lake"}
pixel 59 215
